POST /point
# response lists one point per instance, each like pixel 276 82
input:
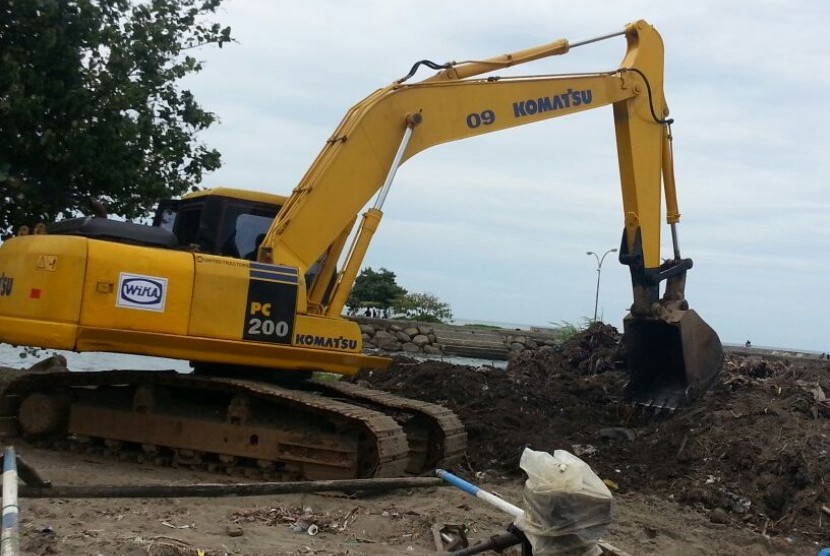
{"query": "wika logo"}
pixel 141 292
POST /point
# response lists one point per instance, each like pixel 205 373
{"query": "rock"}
pixel 55 363
pixel 719 516
pixel 382 336
pixel 776 494
pixel 402 336
pixel 389 345
pixel 420 340
pixel 233 531
pixel 410 347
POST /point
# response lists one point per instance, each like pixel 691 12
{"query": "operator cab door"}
pixel 230 301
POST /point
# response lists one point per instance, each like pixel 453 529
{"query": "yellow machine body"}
pixel 182 305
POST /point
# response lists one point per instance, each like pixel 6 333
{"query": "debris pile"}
pixel 755 450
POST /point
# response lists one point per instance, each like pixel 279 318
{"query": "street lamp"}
pixel 599 271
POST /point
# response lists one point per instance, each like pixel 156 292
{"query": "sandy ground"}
pixel 397 522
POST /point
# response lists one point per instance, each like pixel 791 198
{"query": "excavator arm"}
pixel 396 122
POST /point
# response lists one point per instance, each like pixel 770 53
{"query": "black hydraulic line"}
pixel 498 543
pixel 667 121
pixel 428 63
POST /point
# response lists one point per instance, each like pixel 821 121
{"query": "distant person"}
pixel 748 344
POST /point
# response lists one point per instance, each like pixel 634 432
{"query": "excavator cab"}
pixel 224 221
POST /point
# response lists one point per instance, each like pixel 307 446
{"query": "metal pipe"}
pixel 10 533
pixel 674 243
pixel 597 39
pixel 599 271
pixel 411 121
pixel 234 489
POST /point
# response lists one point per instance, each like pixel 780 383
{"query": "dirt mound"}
pixel 755 450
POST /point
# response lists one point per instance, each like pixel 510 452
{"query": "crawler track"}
pixel 435 435
pixel 315 431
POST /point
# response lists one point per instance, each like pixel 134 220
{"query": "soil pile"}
pixel 754 451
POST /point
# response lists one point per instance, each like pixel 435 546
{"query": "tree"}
pixel 377 289
pixel 423 307
pixel 89 107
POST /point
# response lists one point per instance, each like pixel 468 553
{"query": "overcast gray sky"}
pixel 499 226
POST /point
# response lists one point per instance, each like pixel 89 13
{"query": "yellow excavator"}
pixel 250 288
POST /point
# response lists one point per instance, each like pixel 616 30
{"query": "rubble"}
pixel 753 452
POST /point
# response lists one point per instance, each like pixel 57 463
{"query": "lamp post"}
pixel 599 271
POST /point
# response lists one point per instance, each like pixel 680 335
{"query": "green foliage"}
pixel 375 289
pixel 423 307
pixel 90 110
pixel 567 330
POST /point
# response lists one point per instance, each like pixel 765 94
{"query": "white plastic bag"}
pixel 567 507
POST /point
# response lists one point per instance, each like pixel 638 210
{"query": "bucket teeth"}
pixel 660 402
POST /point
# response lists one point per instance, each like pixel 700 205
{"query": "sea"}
pixel 23 358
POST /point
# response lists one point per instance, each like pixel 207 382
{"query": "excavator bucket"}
pixel 671 360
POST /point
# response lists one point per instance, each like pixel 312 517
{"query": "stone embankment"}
pixel 498 344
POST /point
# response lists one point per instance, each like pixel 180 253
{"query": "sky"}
pixel 499 226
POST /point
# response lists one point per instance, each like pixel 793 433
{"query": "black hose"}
pixel 498 543
pixel 428 63
pixel 668 121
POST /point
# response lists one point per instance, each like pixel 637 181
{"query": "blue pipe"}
pixel 481 494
